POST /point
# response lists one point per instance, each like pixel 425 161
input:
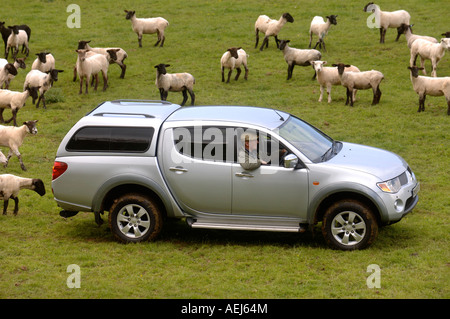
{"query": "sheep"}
pixel 7 32
pixel 44 62
pixel 386 19
pixel 16 39
pixel 329 76
pixel 10 185
pixel 302 57
pixel 410 37
pixel 434 86
pixel 430 51
pixel 19 63
pixel 44 81
pixel 320 28
pixel 13 137
pixel 114 55
pixel 175 82
pixel 88 66
pixel 147 26
pixel 15 101
pixel 232 59
pixel 270 27
pixel 360 81
pixel 5 71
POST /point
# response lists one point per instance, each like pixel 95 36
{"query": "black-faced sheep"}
pixel 320 28
pixel 44 62
pixel 19 63
pixel 293 56
pixel 232 59
pixel 6 32
pixel 10 185
pixel 175 82
pixel 147 26
pixel 44 81
pixel 428 51
pixel 270 27
pixel 15 101
pixel 16 38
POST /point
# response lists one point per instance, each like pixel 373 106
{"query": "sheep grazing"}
pixel 19 63
pixel 13 137
pixel 6 71
pixel 114 55
pixel 16 38
pixel 91 65
pixel 232 59
pixel 360 81
pixel 302 57
pixel 6 32
pixel 44 81
pixel 15 101
pixel 434 86
pixel 386 19
pixel 270 27
pixel 175 82
pixel 320 28
pixel 10 185
pixel 329 76
pixel 44 62
pixel 428 51
pixel 410 37
pixel 147 26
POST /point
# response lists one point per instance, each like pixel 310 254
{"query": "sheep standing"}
pixel 44 81
pixel 360 81
pixel 147 26
pixel 13 137
pixel 232 59
pixel 430 51
pixel 270 27
pixel 6 32
pixel 19 63
pixel 386 19
pixel 329 76
pixel 434 86
pixel 16 38
pixel 88 66
pixel 293 56
pixel 320 28
pixel 6 71
pixel 175 82
pixel 44 62
pixel 15 101
pixel 10 185
pixel 410 37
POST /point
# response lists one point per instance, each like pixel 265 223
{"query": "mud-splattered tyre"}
pixel 349 225
pixel 135 218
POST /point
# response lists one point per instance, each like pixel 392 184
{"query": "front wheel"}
pixel 349 225
pixel 135 218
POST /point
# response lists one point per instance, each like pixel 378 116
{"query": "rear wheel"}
pixel 135 218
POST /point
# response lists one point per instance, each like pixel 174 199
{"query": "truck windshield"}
pixel 307 139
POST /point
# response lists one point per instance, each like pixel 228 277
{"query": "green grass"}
pixel 37 246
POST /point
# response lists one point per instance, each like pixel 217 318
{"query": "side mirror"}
pixel 290 161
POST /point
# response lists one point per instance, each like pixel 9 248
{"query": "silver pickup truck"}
pixel 226 167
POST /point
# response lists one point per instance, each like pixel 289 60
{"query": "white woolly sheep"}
pixel 16 39
pixel 88 66
pixel 411 37
pixel 15 101
pixel 329 76
pixel 19 63
pixel 10 185
pixel 232 59
pixel 386 19
pixel 5 72
pixel 430 51
pixel 114 55
pixel 44 62
pixel 360 81
pixel 12 137
pixel 147 26
pixel 270 27
pixel 320 28
pixel 175 82
pixel 293 56
pixel 425 85
pixel 6 32
pixel 44 81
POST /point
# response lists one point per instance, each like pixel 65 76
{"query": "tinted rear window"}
pixel 111 139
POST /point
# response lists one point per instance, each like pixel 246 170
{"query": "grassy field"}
pixel 37 246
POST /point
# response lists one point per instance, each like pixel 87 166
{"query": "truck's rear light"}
pixel 58 169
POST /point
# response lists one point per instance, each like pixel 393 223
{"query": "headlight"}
pixel 390 186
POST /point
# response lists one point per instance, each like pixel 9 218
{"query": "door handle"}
pixel 178 169
pixel 244 174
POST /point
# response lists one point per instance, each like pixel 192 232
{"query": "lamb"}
pixel 386 19
pixel 16 39
pixel 44 81
pixel 19 63
pixel 360 81
pixel 232 59
pixel 270 27
pixel 13 137
pixel 147 26
pixel 175 82
pixel 302 57
pixel 15 101
pixel 430 51
pixel 329 76
pixel 10 185
pixel 410 37
pixel 5 71
pixel 320 28
pixel 44 62
pixel 434 86
pixel 114 55
pixel 6 32
pixel 88 66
